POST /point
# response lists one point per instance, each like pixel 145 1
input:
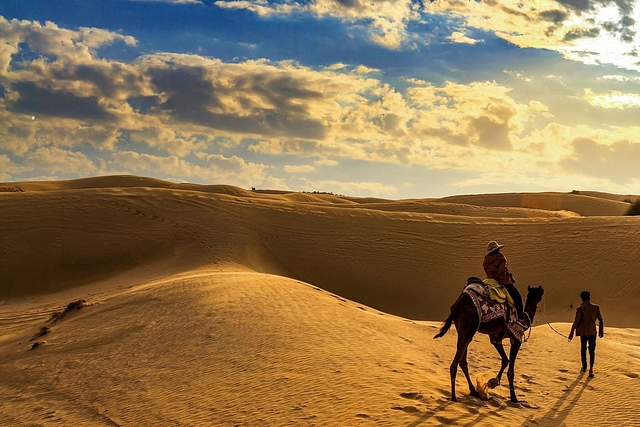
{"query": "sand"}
pixel 219 306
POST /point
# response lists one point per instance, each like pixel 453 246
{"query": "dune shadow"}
pixel 558 414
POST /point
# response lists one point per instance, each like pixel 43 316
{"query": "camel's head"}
pixel 534 294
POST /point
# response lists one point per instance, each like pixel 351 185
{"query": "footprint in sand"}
pixel 407 409
pixel 411 395
pixel 445 421
pixel 37 344
pixel 631 374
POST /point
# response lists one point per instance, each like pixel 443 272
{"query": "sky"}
pixel 388 98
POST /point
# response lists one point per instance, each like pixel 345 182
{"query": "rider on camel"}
pixel 496 268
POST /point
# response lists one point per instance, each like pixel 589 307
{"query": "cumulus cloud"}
pixel 612 99
pixel 481 114
pixel 170 1
pixel 181 107
pixel 295 169
pixel 54 160
pixel 181 104
pixel 72 45
pixel 591 31
pixel 216 168
pixel 168 140
pixel 338 187
pixel 9 168
pixel 326 162
pixel 28 98
pixel 386 20
pixel 566 26
pixel 458 37
pixel 616 162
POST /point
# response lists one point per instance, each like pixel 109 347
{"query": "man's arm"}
pixel 601 320
pixel 576 322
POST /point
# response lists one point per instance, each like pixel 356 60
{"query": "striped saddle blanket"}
pixel 491 300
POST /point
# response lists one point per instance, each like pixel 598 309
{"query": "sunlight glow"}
pixel 612 100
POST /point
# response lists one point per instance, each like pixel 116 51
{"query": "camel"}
pixel 465 316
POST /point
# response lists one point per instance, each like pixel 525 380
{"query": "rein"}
pixel 525 339
pixel 544 313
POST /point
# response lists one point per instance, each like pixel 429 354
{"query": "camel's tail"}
pixel 447 323
pixel 445 327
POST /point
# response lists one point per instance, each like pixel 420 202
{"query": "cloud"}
pixel 326 162
pixel 545 24
pixel 162 109
pixel 216 168
pixel 295 169
pixel 590 31
pixel 617 162
pixel 480 114
pixel 28 98
pixel 581 33
pixel 170 1
pixel 255 97
pixel 625 6
pixel 518 74
pixel 9 168
pixel 52 160
pixel 178 104
pixel 168 140
pixel 385 20
pixel 50 39
pixel 458 37
pixel 612 99
pixel 367 188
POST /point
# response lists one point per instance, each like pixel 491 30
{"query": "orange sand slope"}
pixel 214 305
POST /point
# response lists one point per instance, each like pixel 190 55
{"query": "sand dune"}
pixel 215 305
pixel 583 203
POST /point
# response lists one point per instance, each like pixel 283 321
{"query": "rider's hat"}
pixel 492 246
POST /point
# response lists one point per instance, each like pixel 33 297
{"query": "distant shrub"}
pixel 322 192
pixel 575 192
pixel 634 209
pixel 628 201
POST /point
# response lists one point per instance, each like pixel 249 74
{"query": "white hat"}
pixel 492 246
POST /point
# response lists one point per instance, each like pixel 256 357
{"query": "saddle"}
pixel 493 301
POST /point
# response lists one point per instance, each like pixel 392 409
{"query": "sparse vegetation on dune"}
pixel 634 209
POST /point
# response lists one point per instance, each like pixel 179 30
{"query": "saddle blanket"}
pixel 489 309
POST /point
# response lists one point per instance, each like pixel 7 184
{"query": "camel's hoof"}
pixel 474 393
pixel 514 400
pixel 453 399
pixel 493 383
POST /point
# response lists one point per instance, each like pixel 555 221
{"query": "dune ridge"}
pixel 215 305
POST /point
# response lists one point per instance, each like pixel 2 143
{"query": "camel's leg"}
pixel 461 351
pixel 505 360
pixel 515 347
pixel 465 370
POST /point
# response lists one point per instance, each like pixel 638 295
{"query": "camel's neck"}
pixel 530 310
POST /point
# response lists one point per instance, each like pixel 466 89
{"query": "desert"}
pixel 132 301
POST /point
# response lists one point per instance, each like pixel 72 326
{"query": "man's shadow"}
pixel 465 400
pixel 557 416
pixel 430 413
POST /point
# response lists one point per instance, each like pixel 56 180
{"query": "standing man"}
pixel 585 327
